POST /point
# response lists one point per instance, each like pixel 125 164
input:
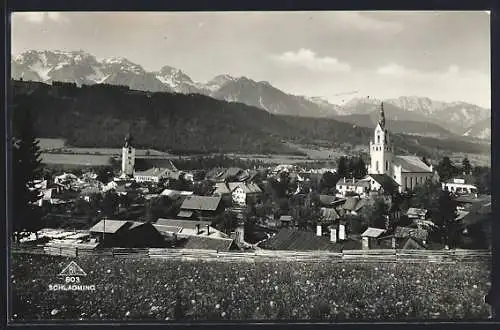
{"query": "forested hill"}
pixel 101 115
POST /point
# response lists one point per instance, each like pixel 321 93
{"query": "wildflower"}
pixel 127 314
pixel 474 286
pixel 54 312
pixel 223 314
pixel 193 302
pixel 217 306
pixel 108 271
pixel 271 303
pixel 276 288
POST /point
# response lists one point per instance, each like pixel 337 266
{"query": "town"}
pixel 393 202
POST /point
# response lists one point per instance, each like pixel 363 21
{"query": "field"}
pixel 149 289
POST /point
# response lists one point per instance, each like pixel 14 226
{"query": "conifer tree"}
pixel 26 167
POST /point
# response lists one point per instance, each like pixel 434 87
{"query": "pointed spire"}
pixel 128 139
pixel 381 119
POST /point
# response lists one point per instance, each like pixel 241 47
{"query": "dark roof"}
pixel 417 233
pixel 292 239
pixel 157 171
pixel 354 203
pixel 329 214
pixel 207 243
pixel 203 203
pixel 387 183
pixel 479 212
pixel 329 200
pixel 109 226
pixel 412 244
pixel 411 164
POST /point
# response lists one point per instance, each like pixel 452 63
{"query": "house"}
pixel 286 221
pixel 370 238
pixel 232 174
pixel 329 215
pixel 196 234
pixel 382 183
pixel 414 214
pixel 241 192
pixel 353 186
pixel 407 171
pixel 123 233
pixel 222 190
pixel 353 205
pixel 459 186
pixel 298 240
pixel 88 193
pixel 203 207
pixel 175 193
pixel 157 174
pixel 475 224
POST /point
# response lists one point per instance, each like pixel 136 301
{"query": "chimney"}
pixel 333 235
pixel 319 230
pixel 208 230
pixel 341 232
pixel 393 242
pixel 197 229
pixel 353 180
pixel 344 179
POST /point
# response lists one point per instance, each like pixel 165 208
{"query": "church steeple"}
pixel 381 119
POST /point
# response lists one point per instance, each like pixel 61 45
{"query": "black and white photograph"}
pixel 256 166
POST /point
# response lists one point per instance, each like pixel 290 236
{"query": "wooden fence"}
pixel 364 256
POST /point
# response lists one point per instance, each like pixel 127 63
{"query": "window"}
pixel 378 138
pixel 386 165
pixel 376 165
pixel 406 182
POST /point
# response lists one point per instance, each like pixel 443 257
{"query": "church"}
pixel 407 171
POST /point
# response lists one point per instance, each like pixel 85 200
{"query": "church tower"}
pixel 128 157
pixel 381 149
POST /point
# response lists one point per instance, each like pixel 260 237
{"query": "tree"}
pixel 328 181
pixel 445 169
pixel 425 196
pixel 109 204
pixel 359 170
pixel 376 213
pixel 26 167
pixel 425 161
pixel 444 217
pixel 466 166
pixel 104 174
pixel 342 168
pixel 203 188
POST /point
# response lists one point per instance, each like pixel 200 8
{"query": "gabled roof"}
pixel 167 229
pixel 387 183
pixel 328 200
pixel 373 232
pixel 158 171
pixel 202 203
pixel 109 226
pixel 354 203
pixel 412 244
pixel 329 214
pixel 286 218
pixel 417 233
pixel 411 164
pixel 221 188
pixel 207 243
pixel 248 188
pixel 292 239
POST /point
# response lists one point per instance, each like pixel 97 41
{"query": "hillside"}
pixel 83 68
pixel 100 115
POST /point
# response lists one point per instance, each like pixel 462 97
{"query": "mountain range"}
pixel 406 114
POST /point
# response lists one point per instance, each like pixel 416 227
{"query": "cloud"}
pixel 41 17
pixel 308 59
pixel 395 70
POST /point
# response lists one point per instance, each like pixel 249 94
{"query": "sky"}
pixel 336 55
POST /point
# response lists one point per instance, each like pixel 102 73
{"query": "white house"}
pixel 240 191
pixel 360 187
pixel 407 171
pixel 459 186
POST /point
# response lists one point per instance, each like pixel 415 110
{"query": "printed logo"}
pixel 73 270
